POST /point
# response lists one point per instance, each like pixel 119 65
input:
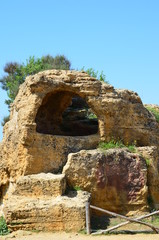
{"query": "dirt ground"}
pixel 77 236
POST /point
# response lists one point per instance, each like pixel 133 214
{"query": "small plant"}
pixel 154 111
pixel 111 144
pixel 3 227
pixel 132 148
pixel 92 116
pixel 116 144
pixel 147 162
pixel 100 76
pixel 76 188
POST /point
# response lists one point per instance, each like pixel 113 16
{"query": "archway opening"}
pixel 65 113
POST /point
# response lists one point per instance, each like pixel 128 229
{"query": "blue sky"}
pixel 120 37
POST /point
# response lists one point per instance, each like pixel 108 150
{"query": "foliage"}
pixel 58 62
pixel 76 188
pixel 111 144
pixel 91 116
pixel 3 227
pixel 116 144
pixel 100 76
pixel 148 161
pixel 154 111
pixel 155 220
pixel 132 148
pixel 16 73
pixel 5 120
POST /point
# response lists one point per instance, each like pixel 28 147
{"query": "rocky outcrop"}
pixel 116 178
pixel 32 141
pixel 57 114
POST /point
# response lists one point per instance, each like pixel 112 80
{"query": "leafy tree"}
pixel 16 73
pixel 59 62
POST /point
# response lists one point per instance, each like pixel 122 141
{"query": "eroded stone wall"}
pixel 33 139
pixel 120 113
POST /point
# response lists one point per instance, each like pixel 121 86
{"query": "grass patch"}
pixel 116 144
pixel 132 148
pixel 155 220
pixel 3 227
pixel 154 111
pixel 111 144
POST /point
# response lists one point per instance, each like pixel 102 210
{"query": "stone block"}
pixel 63 213
pixel 41 185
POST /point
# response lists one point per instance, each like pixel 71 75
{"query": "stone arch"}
pixel 120 113
pixel 66 113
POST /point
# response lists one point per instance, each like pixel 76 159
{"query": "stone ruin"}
pixel 50 148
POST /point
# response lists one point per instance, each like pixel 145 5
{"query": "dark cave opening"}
pixel 65 113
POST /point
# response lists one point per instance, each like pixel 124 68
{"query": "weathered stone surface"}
pixel 44 128
pixel 52 214
pixel 41 184
pixel 41 101
pixel 151 154
pixel 115 178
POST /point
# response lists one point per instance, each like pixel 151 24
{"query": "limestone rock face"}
pixel 115 178
pixel 41 184
pixel 63 213
pixel 151 154
pixel 38 202
pixel 56 114
pixel 38 139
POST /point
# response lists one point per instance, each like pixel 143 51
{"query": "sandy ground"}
pixel 77 236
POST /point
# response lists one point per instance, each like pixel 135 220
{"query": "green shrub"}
pixel 100 76
pixel 15 73
pixel 154 111
pixel 3 227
